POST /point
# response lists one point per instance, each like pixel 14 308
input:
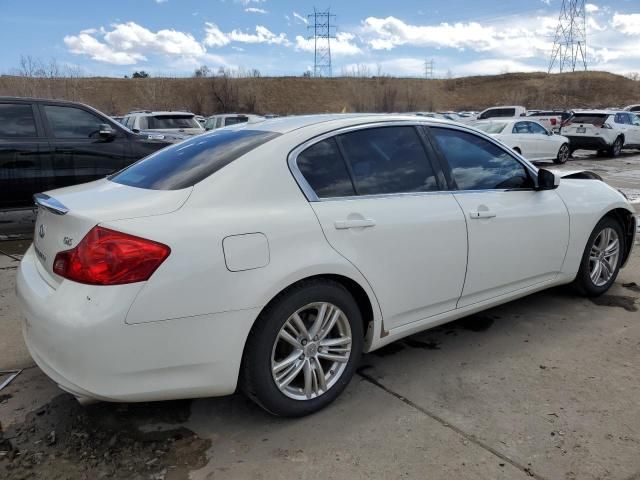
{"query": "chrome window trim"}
pixel 310 194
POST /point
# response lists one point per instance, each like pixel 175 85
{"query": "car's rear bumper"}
pixel 78 336
pixel 587 143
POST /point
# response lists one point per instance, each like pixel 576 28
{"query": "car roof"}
pixel 160 112
pixel 599 112
pixel 288 124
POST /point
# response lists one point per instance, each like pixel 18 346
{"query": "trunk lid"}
pixel 66 215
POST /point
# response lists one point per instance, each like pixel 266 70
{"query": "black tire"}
pixel 256 376
pixel 583 280
pixel 616 148
pixel 563 154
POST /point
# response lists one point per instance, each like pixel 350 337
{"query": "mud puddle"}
pixel 64 440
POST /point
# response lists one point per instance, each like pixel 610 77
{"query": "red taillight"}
pixel 107 257
pixel 554 122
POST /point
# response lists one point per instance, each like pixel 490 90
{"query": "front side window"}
pixel 477 164
pixel 72 122
pixel 16 121
pixel 387 160
pixel 325 171
pixel 186 163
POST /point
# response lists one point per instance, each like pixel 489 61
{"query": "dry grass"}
pixel 295 95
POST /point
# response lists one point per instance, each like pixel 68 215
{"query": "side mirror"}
pixel 105 130
pixel 547 180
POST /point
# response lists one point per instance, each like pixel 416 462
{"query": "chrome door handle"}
pixel 360 223
pixel 481 214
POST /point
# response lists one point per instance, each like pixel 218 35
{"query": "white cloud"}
pixel 255 10
pixel 214 37
pixel 343 44
pixel 262 35
pixel 300 17
pixel 162 1
pixel 518 37
pixel 217 38
pixel 591 8
pixel 129 43
pixel 629 24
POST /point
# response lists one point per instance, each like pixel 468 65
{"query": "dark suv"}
pixel 47 144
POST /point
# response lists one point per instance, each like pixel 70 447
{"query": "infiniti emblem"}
pixel 41 231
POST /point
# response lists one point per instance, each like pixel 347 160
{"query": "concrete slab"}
pixel 549 381
pixel 13 352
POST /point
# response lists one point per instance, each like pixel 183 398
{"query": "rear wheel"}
pixel 563 154
pixel 616 148
pixel 601 258
pixel 304 349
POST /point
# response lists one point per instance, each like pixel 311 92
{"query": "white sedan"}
pixel 271 255
pixel 528 138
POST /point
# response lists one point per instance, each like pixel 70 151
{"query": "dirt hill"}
pixel 294 95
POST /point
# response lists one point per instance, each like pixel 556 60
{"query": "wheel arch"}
pixel 628 222
pixel 367 305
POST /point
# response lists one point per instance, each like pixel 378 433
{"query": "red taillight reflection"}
pixel 107 257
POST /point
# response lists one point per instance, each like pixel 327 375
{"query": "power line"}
pixel 323 28
pixel 570 42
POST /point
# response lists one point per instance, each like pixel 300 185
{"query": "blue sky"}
pixel 173 37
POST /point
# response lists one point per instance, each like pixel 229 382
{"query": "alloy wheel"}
pixel 311 351
pixel 603 257
pixel 563 154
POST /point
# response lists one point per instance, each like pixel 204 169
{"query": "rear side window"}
pixel 187 163
pixel 477 164
pixel 160 122
pixel 388 160
pixel 71 122
pixel 235 120
pixel 325 171
pixel 16 121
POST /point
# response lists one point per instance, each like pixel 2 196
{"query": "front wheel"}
pixel 304 349
pixel 563 154
pixel 601 258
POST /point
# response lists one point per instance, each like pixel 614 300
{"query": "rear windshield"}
pixel 589 118
pixel 160 122
pixel 493 127
pixel 187 163
pixel 234 120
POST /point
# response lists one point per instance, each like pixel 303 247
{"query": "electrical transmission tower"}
pixel 428 69
pixel 323 28
pixel 570 43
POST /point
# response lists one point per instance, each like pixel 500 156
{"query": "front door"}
pixel 518 236
pixel 80 153
pixel 380 207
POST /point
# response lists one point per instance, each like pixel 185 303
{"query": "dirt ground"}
pixel 545 387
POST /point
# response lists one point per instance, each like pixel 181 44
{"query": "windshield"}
pixel 235 120
pixel 187 163
pixel 161 122
pixel 492 127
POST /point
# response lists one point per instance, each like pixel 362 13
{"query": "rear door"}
pixel 634 129
pixel 25 158
pixel 518 236
pixel 378 200
pixel 524 136
pixel 545 146
pixel 80 154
